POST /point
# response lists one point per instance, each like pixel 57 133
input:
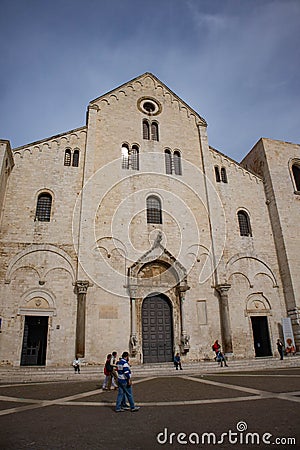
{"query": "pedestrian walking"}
pixel 125 385
pixel 216 347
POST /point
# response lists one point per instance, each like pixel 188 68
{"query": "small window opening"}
pixel 177 163
pixel 75 161
pixel 149 107
pixel 67 160
pixel 43 207
pixel 154 210
pixel 244 223
pixel 146 130
pixel 223 175
pixel 134 157
pixel 154 131
pixel 168 161
pixel 125 156
pixel 296 174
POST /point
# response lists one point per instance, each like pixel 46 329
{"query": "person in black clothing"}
pixel 280 348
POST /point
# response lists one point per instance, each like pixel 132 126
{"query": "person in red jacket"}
pixel 216 348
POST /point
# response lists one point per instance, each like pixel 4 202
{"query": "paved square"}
pixel 238 410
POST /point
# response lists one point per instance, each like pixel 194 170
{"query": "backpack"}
pixel 107 368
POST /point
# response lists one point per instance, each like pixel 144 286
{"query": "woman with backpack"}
pixel 108 368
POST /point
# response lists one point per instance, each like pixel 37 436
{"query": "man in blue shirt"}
pixel 124 383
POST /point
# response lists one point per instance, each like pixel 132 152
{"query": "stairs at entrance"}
pixel 28 374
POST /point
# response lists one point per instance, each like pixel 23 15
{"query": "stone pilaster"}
pixel 294 314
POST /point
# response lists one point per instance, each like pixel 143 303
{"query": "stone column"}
pixel 225 317
pixel 185 338
pixel 294 314
pixel 133 336
pixel 81 289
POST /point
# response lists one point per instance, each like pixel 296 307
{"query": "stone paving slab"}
pixel 267 382
pixel 49 391
pixel 8 405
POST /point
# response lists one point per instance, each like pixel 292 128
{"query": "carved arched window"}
pixel 154 131
pixel 134 157
pixel 168 161
pixel 223 175
pixel 146 130
pixel 217 174
pixel 75 161
pixel 244 223
pixel 67 160
pixel 177 163
pixel 125 156
pixel 154 210
pixel 43 207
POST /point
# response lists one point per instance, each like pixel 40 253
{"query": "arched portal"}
pixel 157 329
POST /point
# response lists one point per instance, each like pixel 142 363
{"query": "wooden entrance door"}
pixel 34 341
pixel 261 336
pixel 157 329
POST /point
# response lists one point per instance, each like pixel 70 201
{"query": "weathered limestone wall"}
pixel 38 260
pixel 273 160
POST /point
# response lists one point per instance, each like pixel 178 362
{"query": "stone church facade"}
pixel 131 232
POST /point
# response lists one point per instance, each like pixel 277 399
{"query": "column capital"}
pixel 182 288
pixel 82 286
pixel 223 288
pixel 132 289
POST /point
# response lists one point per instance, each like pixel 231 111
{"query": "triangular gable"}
pixel 157 82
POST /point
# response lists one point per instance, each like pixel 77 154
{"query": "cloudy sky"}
pixel 236 62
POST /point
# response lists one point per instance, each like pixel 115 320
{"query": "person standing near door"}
pixel 280 348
